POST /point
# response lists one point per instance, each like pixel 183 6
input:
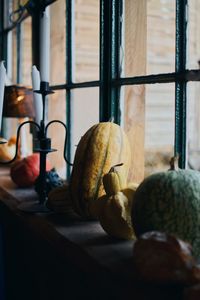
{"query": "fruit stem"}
pixel 174 163
pixel 112 169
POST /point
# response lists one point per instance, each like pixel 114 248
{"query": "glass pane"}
pixel 86 40
pixel 16 4
pixel 193 124
pixel 26 49
pixel 57 111
pixel 8 8
pixel 149 37
pixel 149 123
pixel 58 42
pixel 159 127
pixel 20 57
pixel 13 58
pixel 85 109
pixel 193 34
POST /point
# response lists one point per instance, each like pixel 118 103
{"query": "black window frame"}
pixel 110 81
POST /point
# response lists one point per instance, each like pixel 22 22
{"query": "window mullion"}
pixel 3 36
pixel 36 39
pixel 1 30
pixel 116 66
pixel 69 74
pixel 110 33
pixel 180 86
pixel 19 54
pixel 105 58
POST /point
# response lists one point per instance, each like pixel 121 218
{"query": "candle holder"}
pixel 43 146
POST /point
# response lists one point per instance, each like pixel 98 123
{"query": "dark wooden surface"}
pixel 51 256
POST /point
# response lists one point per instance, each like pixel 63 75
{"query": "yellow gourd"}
pixel 114 181
pixel 114 209
pixel 115 217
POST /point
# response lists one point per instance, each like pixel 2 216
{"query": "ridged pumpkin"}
pixel 101 147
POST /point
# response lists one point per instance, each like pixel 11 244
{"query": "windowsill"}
pixel 82 243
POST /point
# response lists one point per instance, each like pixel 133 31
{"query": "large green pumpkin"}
pixel 169 202
pixel 101 147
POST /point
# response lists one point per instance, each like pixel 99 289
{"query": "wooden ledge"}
pixel 57 238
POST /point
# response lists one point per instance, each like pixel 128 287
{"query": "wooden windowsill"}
pixel 82 243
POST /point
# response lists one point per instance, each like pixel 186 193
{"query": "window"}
pixel 16 51
pixel 121 60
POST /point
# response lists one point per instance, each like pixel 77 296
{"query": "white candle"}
pixel 45 45
pixel 37 98
pixel 2 87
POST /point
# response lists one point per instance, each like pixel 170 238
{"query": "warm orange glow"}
pixel 20 98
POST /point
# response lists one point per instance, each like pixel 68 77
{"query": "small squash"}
pixel 102 146
pixel 114 181
pixel 114 209
pixel 161 258
pixel 115 217
pixel 59 199
pixel 7 150
pixel 25 171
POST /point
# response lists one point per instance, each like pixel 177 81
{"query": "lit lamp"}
pixel 18 103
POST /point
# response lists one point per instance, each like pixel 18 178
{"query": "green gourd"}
pixel 169 202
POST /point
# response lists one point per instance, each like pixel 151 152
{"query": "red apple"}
pixel 25 171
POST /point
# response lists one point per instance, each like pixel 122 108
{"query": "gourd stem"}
pixel 174 163
pixel 112 169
